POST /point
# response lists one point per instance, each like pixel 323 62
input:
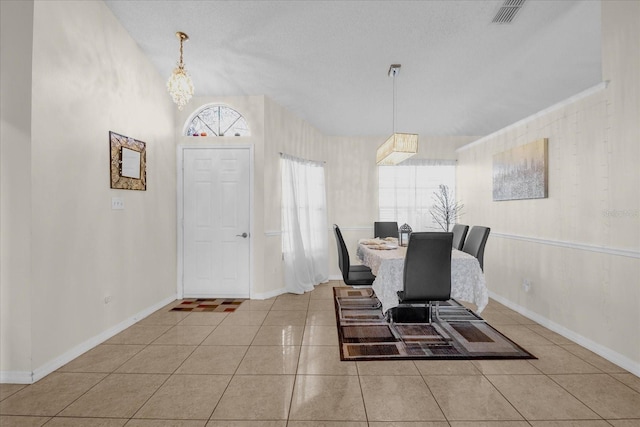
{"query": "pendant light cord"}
pixel 394 101
pixel 393 70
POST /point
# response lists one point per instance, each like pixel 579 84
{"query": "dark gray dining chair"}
pixel 385 229
pixel 427 271
pixel 353 275
pixel 459 234
pixel 476 241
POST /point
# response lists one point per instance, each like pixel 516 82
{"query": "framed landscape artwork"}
pixel 522 172
pixel 128 162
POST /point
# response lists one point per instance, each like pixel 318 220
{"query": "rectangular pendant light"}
pixel 398 148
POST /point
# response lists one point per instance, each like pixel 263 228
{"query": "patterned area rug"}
pixel 202 304
pixel 365 334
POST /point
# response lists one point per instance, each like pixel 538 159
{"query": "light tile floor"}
pixel 275 363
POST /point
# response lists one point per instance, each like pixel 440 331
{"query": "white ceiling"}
pixel 327 61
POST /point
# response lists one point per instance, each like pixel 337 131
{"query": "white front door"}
pixel 216 212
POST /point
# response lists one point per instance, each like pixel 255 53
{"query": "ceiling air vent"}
pixel 507 11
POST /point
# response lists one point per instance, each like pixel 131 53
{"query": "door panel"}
pixel 216 194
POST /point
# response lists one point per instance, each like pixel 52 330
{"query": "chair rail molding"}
pixel 631 253
pixel 354 228
pixel 273 233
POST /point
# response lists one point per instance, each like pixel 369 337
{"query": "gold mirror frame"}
pixel 116 143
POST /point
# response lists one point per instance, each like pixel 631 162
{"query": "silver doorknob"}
pixel 243 235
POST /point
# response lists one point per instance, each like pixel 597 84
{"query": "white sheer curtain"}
pixel 304 224
pixel 405 191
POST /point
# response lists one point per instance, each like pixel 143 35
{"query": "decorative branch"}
pixel 445 210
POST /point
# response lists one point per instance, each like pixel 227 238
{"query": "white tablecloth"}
pixel 467 279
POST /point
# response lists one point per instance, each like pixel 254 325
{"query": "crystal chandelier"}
pixel 399 146
pixel 180 86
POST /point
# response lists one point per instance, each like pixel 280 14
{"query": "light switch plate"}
pixel 117 203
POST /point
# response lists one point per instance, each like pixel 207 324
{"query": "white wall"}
pixel 580 247
pixel 15 187
pixel 90 77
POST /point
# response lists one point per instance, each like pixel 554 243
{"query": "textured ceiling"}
pixel 327 61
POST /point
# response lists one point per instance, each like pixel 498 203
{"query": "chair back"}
pixel 427 267
pixel 459 234
pixel 476 240
pixel 343 254
pixel 385 229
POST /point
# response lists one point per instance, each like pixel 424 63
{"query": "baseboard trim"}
pixel 614 357
pixel 21 377
pixel 281 291
pixel 571 245
pixel 216 296
pixel 15 377
pixel 269 294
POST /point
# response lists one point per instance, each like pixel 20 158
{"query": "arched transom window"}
pixel 218 120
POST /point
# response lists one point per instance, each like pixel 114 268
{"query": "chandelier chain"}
pixel 180 86
pixel 181 64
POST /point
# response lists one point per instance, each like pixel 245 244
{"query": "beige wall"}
pixel 352 193
pixel 15 187
pixel 90 77
pixel 286 133
pixel 580 246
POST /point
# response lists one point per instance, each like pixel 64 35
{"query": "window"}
pixel 405 192
pixel 218 120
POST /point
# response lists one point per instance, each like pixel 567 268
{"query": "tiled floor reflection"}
pixel 276 363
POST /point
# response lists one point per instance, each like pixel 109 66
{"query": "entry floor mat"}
pixel 221 305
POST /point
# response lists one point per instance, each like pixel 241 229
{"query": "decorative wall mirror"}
pixel 128 162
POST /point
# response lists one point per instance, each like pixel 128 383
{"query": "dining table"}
pixel 386 260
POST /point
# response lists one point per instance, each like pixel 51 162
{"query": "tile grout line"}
pixel 431 392
pixel 107 374
pixel 364 403
pixel 149 345
pixel 129 419
pixel 295 377
pixel 505 397
pixel 233 375
pixel 553 344
pixel 576 397
pixel 583 359
pixel 166 379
